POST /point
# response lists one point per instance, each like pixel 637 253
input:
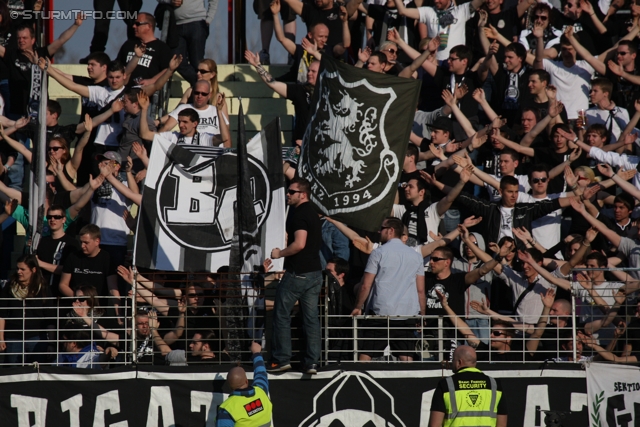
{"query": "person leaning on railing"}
pixel 87 313
pixel 25 314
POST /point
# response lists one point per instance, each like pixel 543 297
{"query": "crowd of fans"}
pixel 520 171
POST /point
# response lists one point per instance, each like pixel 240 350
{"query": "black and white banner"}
pixel 186 220
pixel 352 396
pixel 614 395
pixel 354 146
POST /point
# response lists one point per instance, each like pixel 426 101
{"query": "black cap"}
pixel 443 123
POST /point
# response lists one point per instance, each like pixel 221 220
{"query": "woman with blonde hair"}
pixel 207 70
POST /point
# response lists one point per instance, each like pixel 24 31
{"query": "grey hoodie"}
pixel 480 290
pixel 193 10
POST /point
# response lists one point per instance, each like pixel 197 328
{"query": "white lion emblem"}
pixel 343 118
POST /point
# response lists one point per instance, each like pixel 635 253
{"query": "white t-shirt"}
pixel 547 229
pixel 618 118
pixel 106 213
pixel 494 194
pixel 209 119
pixel 573 83
pixel 506 223
pixel 585 306
pixel 204 139
pixel 108 131
pixel 431 218
pixel 451 35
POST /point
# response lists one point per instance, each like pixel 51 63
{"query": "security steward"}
pixel 247 406
pixel 469 397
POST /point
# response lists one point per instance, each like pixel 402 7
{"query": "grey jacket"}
pixel 193 10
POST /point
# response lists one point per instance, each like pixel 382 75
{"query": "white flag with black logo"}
pixel 186 220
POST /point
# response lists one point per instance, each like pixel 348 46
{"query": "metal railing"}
pixel 194 318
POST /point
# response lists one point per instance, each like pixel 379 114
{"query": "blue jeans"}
pixel 334 244
pixel 480 328
pixel 192 38
pixel 31 345
pixel 304 288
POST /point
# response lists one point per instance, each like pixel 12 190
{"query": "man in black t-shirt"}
pixel 409 171
pixel 156 56
pixel 301 282
pixel 92 266
pixel 326 12
pixel 54 249
pixel 300 95
pixel 452 285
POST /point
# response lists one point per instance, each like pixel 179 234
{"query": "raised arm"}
pixel 445 203
pixel 289 45
pixel 409 12
pixel 459 324
pixel 254 59
pixel 75 209
pixel 477 273
pixel 578 257
pixel 587 7
pixel 547 301
pixel 126 191
pixel 145 133
pixel 626 186
pixel 584 53
pixel 65 36
pixel 451 100
pixel 76 159
pixel 295 5
pixel 526 257
pixel 538 33
pixel 608 233
pixel 407 72
pixel 81 90
pixel 20 148
pixel 164 76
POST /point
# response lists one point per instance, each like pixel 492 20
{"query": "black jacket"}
pixel 523 214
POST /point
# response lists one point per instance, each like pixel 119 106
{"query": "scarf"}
pixel 194 141
pixel 36 92
pixel 420 214
pixel 512 93
pixel 105 191
pixel 22 293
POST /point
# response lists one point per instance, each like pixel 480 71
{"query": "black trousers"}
pixel 101 26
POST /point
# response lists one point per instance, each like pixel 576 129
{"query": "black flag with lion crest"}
pixel 354 146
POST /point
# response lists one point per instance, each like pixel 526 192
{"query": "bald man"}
pixel 469 397
pixel 247 405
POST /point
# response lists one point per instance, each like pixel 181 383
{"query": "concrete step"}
pixel 255 122
pixel 226 74
pixel 285 137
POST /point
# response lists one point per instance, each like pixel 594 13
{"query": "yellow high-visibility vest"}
pixel 249 411
pixel 473 403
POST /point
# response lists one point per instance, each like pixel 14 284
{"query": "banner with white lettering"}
pixel 614 395
pixel 186 220
pixel 353 395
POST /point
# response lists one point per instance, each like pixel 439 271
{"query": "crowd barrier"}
pixel 234 323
